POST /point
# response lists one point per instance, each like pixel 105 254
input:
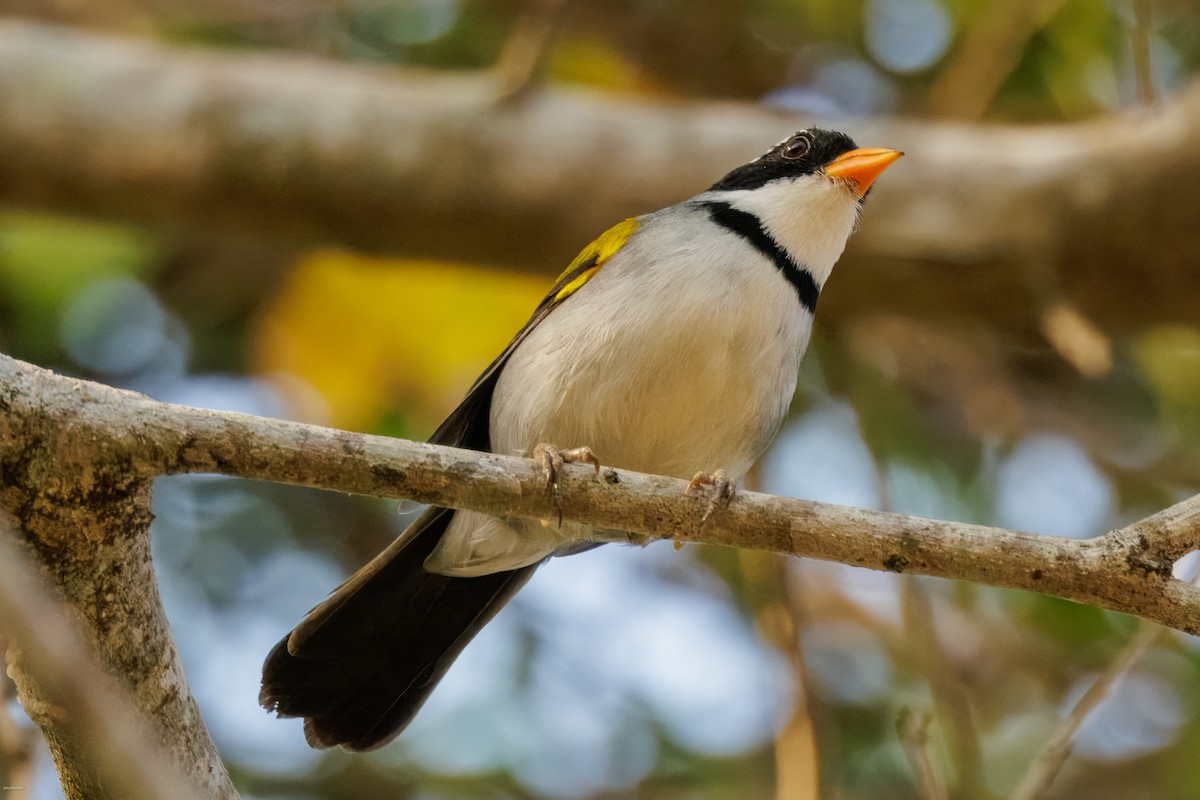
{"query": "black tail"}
pixel 360 665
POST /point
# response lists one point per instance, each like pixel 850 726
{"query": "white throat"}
pixel 810 217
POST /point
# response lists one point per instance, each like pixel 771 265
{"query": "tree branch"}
pixel 428 164
pixel 990 50
pixel 70 686
pixel 82 505
pixel 1127 570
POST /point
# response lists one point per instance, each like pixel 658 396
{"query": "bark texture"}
pixel 105 751
pixel 1127 570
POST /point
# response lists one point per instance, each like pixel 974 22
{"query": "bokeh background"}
pixel 959 391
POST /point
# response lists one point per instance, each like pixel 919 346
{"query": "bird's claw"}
pixel 720 490
pixel 552 460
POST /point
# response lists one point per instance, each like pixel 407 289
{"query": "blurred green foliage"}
pixel 45 260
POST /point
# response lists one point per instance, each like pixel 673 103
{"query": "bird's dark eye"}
pixel 797 146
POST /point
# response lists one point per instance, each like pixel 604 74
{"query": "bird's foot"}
pixel 552 460
pixel 720 491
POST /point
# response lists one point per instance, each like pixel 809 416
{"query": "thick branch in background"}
pixel 428 164
pixel 62 427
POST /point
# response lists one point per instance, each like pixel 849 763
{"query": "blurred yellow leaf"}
pixel 1169 356
pixel 593 62
pixel 373 336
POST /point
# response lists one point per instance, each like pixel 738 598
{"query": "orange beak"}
pixel 862 166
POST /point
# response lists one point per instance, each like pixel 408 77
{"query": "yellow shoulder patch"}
pixel 588 263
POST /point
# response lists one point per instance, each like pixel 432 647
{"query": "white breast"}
pixel 679 356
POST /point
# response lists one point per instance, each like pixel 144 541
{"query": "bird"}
pixel 670 345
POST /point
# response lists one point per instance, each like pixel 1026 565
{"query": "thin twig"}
pixel 524 53
pixel 780 620
pixel 991 48
pixel 950 701
pixel 913 730
pixel 1054 753
pixel 1140 45
pixel 1175 531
